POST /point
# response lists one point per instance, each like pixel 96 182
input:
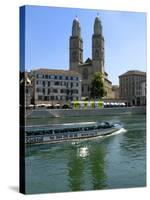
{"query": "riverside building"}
pixel 56 86
pixel 132 86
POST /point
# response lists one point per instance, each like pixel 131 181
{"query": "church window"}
pixel 85 73
pixel 74 55
pixel 82 88
pixel 96 42
pixel 80 56
pixel 96 54
pixel 27 91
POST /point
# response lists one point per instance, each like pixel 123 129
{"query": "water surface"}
pixel 117 161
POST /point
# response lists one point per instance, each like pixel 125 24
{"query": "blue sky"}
pixel 48 30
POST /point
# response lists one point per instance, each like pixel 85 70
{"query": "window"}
pixel 96 54
pixel 82 88
pixel 46 98
pixel 37 89
pixel 74 55
pixel 80 56
pixel 48 83
pixel 46 76
pixel 55 90
pixel 55 77
pixel 56 83
pixel 43 83
pixel 85 73
pixel 75 92
pixel 40 97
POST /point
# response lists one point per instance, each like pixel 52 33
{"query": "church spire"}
pixel 76 30
pixel 75 46
pixel 97 26
pixel 98 46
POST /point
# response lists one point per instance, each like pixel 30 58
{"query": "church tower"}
pixel 98 47
pixel 75 46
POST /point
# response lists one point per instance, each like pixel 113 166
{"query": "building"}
pixel 132 86
pixel 88 68
pixel 56 86
pixel 143 92
pixel 115 92
pixel 27 89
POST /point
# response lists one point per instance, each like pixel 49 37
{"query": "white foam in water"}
pixel 122 130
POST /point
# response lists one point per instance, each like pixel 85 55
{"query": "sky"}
pixel 47 32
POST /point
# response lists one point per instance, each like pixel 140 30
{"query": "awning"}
pixel 57 104
pixel 31 105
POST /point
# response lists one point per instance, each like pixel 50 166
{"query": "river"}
pixel 117 161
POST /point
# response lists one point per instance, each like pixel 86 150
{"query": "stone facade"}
pixel 88 68
pixel 132 86
pixel 56 86
pixel 115 92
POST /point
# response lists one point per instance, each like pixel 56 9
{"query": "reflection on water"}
pixel 98 168
pixel 118 161
pixel 75 172
pixel 83 152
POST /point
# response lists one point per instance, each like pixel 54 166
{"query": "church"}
pixel 91 65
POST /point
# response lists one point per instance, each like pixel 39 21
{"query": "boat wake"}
pixel 78 141
pixel 122 130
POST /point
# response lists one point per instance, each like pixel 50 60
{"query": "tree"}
pixel 97 86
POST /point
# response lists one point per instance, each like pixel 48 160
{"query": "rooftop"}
pixel 55 71
pixel 133 72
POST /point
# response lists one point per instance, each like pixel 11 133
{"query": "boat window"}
pixel 58 136
pixel 29 133
pixel 57 131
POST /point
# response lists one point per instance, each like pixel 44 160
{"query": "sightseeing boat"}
pixel 38 134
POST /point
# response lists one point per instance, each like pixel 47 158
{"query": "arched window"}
pixel 74 55
pixel 96 54
pixel 85 73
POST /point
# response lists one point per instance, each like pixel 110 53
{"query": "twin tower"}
pixel 90 66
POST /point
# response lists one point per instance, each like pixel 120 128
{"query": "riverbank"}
pixel 53 113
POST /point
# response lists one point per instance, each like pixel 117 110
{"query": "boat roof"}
pixel 59 126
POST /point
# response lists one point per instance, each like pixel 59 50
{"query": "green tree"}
pixel 97 86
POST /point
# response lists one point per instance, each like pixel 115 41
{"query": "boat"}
pixel 39 134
